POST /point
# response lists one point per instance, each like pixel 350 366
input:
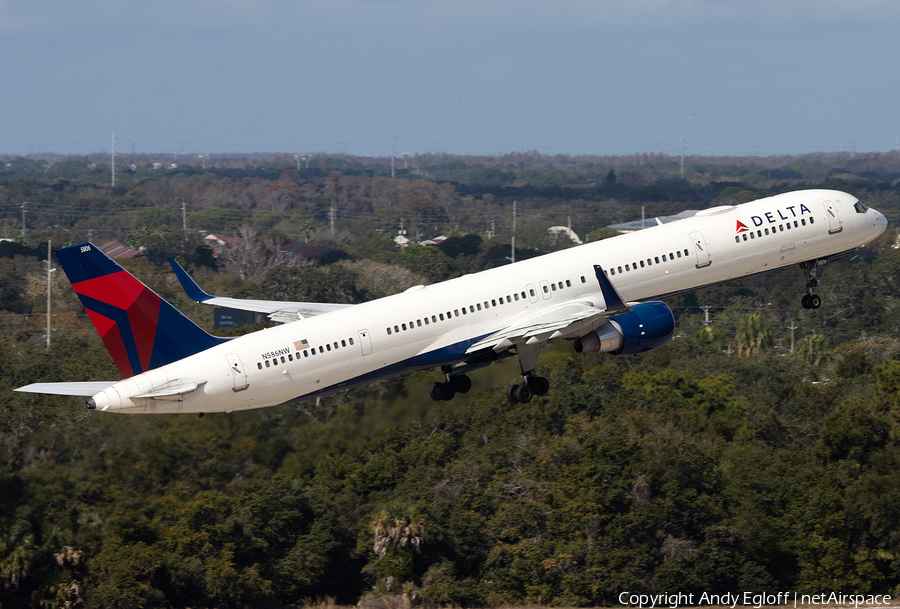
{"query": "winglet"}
pixel 614 302
pixel 190 287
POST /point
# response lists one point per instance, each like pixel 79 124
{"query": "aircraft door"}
pixel 238 374
pixel 545 289
pixel 704 258
pixel 834 217
pixel 365 341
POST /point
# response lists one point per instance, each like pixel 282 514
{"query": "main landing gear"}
pixel 810 300
pixel 533 385
pixel 444 392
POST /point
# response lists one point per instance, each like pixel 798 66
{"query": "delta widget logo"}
pixel 741 227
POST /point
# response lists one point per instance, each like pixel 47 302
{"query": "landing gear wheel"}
pixel 524 394
pixel 461 383
pixel 442 392
pixel 811 301
pixel 511 394
pixel 539 385
pixel 436 392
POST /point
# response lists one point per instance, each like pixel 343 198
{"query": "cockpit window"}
pixel 860 208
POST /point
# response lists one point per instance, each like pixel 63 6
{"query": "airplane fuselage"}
pixel 438 325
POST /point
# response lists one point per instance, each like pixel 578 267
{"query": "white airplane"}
pixel 599 295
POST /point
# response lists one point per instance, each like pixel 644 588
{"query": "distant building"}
pixel 565 230
pixel 301 250
pixel 117 249
pixel 436 241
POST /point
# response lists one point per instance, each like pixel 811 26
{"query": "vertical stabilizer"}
pixel 140 330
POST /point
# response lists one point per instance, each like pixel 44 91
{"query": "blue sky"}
pixel 463 77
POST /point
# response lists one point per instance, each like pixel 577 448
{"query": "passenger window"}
pixel 290 357
pixel 426 321
pixel 508 299
pixel 448 314
pixel 796 225
pixel 759 233
pixel 619 269
pixel 259 365
pixel 523 296
pixel 464 312
pixel 812 220
pixel 752 235
pixel 545 289
pixel 344 342
pixel 685 252
pixel 568 284
pixel 434 318
pixel 441 316
pixel 419 322
pixel 327 346
pixel 267 363
pixel 737 239
pixel 396 328
pixel 553 286
pixel 516 296
pixel 627 268
pixel 767 231
pixel 649 262
pixel 531 291
pixel 283 361
pixel 471 308
pixel 351 341
pixel 788 225
pixel 479 306
pixel 305 353
pixel 612 271
pixel 275 362
pixel 679 254
pixel 642 264
pixel 560 285
pixel 803 222
pixel 664 257
pixel 321 350
pixel 456 312
pixel 493 303
pixel 656 259
pixel 671 257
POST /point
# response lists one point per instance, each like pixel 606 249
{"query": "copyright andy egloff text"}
pixel 752 599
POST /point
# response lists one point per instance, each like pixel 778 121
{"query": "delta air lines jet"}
pixel 602 296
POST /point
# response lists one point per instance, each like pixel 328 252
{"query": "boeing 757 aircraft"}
pixel 602 296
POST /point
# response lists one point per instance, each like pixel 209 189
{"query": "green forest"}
pixel 758 451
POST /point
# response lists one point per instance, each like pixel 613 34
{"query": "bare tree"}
pixel 252 255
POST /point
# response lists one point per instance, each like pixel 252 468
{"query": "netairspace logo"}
pixel 752 599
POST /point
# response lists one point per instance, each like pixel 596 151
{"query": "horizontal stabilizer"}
pixel 276 310
pixel 173 389
pixel 87 389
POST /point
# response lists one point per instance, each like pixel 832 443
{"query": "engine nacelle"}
pixel 647 326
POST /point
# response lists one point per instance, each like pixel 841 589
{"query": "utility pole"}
pixel 24 203
pixel 706 316
pixel 184 219
pixel 49 270
pixel 792 336
pixel 393 152
pixel 514 218
pixel 113 160
pixel 513 250
pixel 331 213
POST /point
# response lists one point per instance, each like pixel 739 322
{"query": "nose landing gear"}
pixel 810 300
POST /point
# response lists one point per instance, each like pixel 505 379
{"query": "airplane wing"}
pixel 276 311
pixel 568 320
pixel 88 389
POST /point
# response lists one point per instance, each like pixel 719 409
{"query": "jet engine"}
pixel 646 326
